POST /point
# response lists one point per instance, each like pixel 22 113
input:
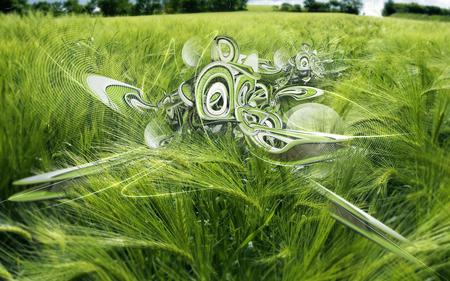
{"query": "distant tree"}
pixel 72 6
pixel 177 6
pixel 146 7
pixel 91 6
pixel 114 7
pixel 6 6
pixel 189 6
pixel 433 10
pixel 42 6
pixel 221 5
pixel 391 8
pixel 297 8
pixel 309 3
pixel 351 6
pixel 388 9
pixel 19 6
pixel 314 6
pixel 275 8
pixel 415 8
pixel 240 5
pixel 335 5
pixel 172 6
pixel 285 7
pixel 57 8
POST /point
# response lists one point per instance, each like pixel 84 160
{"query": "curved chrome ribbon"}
pixel 239 88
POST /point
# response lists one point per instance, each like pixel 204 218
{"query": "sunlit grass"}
pixel 205 208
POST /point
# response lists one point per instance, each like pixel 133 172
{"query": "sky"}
pixel 370 8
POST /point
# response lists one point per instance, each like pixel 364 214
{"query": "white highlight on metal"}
pixel 313 117
pixel 221 89
pixel 252 61
pixel 191 52
pixel 98 84
pixel 151 137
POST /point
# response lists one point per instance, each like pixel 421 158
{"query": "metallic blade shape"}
pixel 377 238
pixel 357 212
pixel 365 224
pixel 72 172
pixel 117 95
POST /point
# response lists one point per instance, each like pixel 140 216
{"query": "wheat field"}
pixel 220 213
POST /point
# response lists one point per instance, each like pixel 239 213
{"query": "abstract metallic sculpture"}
pixel 240 89
pixel 251 94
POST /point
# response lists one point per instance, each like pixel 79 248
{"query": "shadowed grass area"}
pixel 205 208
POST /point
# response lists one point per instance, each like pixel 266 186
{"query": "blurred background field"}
pixel 264 229
pixel 421 17
pixel 259 8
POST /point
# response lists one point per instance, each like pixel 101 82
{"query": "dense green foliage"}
pixel 114 8
pixel 122 7
pixel 334 6
pixel 390 7
pixel 218 212
pixel 421 17
pixel 7 6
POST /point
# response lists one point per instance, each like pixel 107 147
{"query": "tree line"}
pixel 121 7
pixel 413 8
pixel 313 6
